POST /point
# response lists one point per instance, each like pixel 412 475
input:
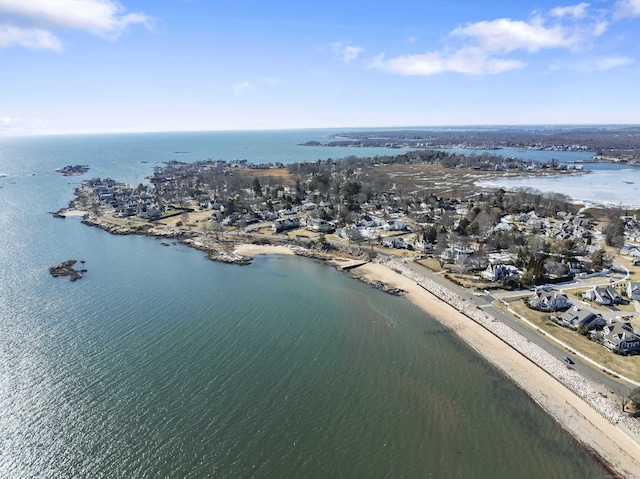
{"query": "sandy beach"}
pixel 251 250
pixel 611 443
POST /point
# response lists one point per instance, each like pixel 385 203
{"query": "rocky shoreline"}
pixel 222 251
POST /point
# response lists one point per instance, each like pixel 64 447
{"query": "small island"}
pixel 73 170
pixel 66 268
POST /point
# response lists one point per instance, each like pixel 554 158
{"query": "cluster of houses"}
pixel 564 226
pixel 616 334
pixel 124 200
pixel 370 227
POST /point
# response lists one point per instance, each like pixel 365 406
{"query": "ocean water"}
pixel 160 363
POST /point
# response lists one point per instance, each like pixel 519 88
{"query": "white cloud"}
pixel 576 11
pixel 593 65
pixel 32 38
pixel 106 18
pixel 608 63
pixel 348 53
pixel 242 87
pixel 627 8
pixel 505 35
pixel 468 61
pixel 16 125
pixel 481 48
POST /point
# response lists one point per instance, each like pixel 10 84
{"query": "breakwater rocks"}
pixel 382 286
pixel 66 268
pixel 231 258
pixel 569 377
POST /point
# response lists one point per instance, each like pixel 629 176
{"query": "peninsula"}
pixel 417 224
pixel 611 143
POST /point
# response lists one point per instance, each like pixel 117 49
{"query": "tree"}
pixel 257 187
pixel 216 228
pixel 430 234
pixel 601 260
pixel 614 233
pixel 463 225
pixel 634 397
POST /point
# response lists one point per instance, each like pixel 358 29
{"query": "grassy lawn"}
pixel 430 263
pixel 627 365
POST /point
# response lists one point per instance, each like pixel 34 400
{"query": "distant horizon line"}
pixel 8 133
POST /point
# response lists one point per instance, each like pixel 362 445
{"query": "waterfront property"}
pixel 620 337
pixel 575 317
pixel 547 299
pixel 501 272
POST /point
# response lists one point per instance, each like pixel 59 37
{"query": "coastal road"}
pixel 485 302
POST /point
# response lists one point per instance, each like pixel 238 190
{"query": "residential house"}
pixel 621 338
pixel 319 225
pixel 633 290
pixel 282 224
pixel 395 243
pixel 394 225
pixel 603 296
pixel 500 272
pixel 548 299
pixel 534 226
pixel 574 317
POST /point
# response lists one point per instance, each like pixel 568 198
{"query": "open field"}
pixel 449 182
pixel 281 174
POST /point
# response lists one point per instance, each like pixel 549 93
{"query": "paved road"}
pixel 485 302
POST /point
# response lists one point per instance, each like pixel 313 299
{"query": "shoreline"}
pixel 572 407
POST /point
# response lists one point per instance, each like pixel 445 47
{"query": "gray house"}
pixel 575 317
pixel 604 296
pixel 621 338
pixel 548 299
pixel 633 290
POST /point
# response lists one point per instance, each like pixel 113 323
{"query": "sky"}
pixel 94 66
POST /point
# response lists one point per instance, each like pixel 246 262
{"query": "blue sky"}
pixel 80 66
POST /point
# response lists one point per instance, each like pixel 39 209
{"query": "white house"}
pixel 500 272
pixel 633 290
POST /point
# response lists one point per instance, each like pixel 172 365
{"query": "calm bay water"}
pixel 162 364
